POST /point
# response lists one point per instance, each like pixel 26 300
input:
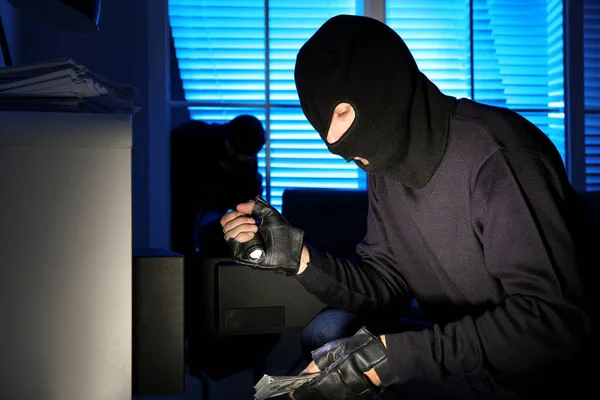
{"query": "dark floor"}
pixel 285 358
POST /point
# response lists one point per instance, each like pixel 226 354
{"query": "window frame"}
pixel 160 103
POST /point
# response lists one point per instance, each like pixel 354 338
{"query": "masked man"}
pixel 470 212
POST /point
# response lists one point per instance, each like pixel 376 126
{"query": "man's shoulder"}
pixel 500 128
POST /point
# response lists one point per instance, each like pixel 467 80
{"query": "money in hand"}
pixel 271 386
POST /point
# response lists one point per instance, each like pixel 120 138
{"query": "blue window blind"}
pixel 517 53
pixel 234 61
pixel 518 60
pixel 591 66
pixel 220 48
pixel 299 158
pixel 437 34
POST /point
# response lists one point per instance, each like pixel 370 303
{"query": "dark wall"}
pixel 119 52
pixel 179 115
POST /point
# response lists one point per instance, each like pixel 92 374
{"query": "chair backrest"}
pixel 591 203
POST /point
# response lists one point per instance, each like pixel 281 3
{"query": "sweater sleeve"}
pixel 371 283
pixel 520 212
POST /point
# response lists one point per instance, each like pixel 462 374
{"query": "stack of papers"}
pixel 63 85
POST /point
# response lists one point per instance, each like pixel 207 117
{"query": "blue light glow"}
pixel 591 62
pixel 220 47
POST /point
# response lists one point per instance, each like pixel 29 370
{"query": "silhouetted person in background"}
pixel 214 167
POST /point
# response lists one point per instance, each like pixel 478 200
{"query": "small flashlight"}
pixel 255 250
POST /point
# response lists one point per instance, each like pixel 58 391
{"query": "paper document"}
pixel 63 85
pixel 271 386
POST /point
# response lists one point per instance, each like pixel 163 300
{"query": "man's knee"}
pixel 330 324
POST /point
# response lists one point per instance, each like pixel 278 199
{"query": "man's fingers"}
pixel 242 219
pixel 308 391
pixel 245 208
pixel 244 237
pixel 230 216
pixel 310 369
pixel 241 233
pixel 237 225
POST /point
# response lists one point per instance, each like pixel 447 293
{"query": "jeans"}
pixel 331 324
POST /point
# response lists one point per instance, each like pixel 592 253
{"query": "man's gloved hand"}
pixel 343 363
pixel 282 244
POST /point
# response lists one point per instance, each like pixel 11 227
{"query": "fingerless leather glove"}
pixel 343 363
pixel 282 244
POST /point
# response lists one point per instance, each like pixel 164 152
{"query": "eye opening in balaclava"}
pixel 361 162
pixel 347 131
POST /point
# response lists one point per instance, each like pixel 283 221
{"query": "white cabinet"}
pixel 65 256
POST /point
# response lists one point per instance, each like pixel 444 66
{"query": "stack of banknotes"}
pixel 271 386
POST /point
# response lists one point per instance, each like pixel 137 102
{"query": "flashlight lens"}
pixel 256 254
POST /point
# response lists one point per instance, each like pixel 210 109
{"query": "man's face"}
pixel 341 120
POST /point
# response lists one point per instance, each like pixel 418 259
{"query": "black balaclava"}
pixel 401 118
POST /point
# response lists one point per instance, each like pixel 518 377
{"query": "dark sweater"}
pixel 487 247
